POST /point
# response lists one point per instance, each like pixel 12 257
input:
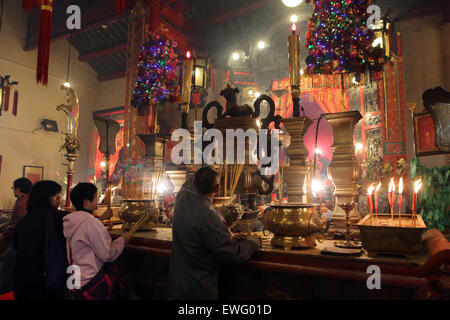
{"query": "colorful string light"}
pixel 339 41
pixel 156 75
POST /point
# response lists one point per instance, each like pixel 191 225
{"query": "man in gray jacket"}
pixel 202 241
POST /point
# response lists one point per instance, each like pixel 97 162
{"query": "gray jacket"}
pixel 201 243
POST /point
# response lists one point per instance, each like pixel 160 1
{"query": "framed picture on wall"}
pixel 33 173
pixel 425 135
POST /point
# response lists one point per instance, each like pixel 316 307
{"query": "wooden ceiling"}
pixel 213 27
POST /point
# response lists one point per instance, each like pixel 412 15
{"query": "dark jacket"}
pixel 29 242
pixel 201 243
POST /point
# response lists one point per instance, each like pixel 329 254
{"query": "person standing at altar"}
pixel 21 188
pixel 89 246
pixel 201 241
pixel 40 268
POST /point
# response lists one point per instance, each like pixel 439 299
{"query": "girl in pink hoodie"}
pixel 89 245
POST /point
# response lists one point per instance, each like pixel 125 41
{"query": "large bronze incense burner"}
pixel 294 225
pixel 248 178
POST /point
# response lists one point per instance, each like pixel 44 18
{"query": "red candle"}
pixel 376 198
pixel 400 199
pixel 369 197
pixel 417 186
pixel 391 195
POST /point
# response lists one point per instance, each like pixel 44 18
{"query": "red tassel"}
pixel 7 91
pixel 28 4
pixel 120 6
pixel 15 102
pixel 45 30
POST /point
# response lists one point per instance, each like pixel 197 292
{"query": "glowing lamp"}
pixel 292 3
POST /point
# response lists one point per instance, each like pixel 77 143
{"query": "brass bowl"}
pixel 294 224
pixel 219 202
pixel 132 210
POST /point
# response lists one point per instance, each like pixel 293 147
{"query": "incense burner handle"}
pixel 267 180
pixel 271 117
pixel 219 108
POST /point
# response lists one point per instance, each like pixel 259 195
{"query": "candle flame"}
pixel 400 186
pixel 188 54
pixel 294 27
pixel 370 190
pixel 392 185
pixel 417 185
pixel 378 187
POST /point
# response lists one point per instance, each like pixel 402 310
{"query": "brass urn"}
pixel 343 170
pixel 294 225
pixel 219 202
pixel 132 210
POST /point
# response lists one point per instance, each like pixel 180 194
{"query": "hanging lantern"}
pixel 382 36
pixel 199 75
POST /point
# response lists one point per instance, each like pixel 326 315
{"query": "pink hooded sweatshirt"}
pixel 90 244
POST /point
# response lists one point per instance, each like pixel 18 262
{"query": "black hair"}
pixel 82 191
pixel 205 180
pixel 40 194
pixel 23 184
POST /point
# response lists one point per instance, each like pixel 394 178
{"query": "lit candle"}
pixel 294 69
pixel 400 199
pixel 188 65
pixel 369 197
pixel 417 186
pixel 376 199
pixel 391 196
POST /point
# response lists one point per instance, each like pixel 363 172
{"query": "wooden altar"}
pixel 273 274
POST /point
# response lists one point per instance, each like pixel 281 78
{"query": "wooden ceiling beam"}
pixel 102 52
pixel 174 17
pixel 111 76
pixel 228 15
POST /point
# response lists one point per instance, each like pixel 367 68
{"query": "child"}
pixel 89 244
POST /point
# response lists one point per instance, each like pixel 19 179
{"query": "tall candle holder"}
pixel 294 73
pixel 348 236
pixel 343 170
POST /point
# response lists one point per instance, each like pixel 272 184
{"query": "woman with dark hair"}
pixel 38 238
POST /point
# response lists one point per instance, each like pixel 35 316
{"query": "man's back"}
pixel 201 242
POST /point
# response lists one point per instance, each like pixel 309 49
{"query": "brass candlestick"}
pixel 348 236
pixel 344 169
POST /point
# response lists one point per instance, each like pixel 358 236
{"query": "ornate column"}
pixel 344 169
pixel 294 174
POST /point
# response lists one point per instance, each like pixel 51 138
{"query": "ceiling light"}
pixel 235 56
pixel 318 151
pixel 294 18
pixel 67 84
pixel 261 44
pixel 292 3
pixel 250 92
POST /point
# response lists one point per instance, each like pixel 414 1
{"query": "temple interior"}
pixel 326 122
